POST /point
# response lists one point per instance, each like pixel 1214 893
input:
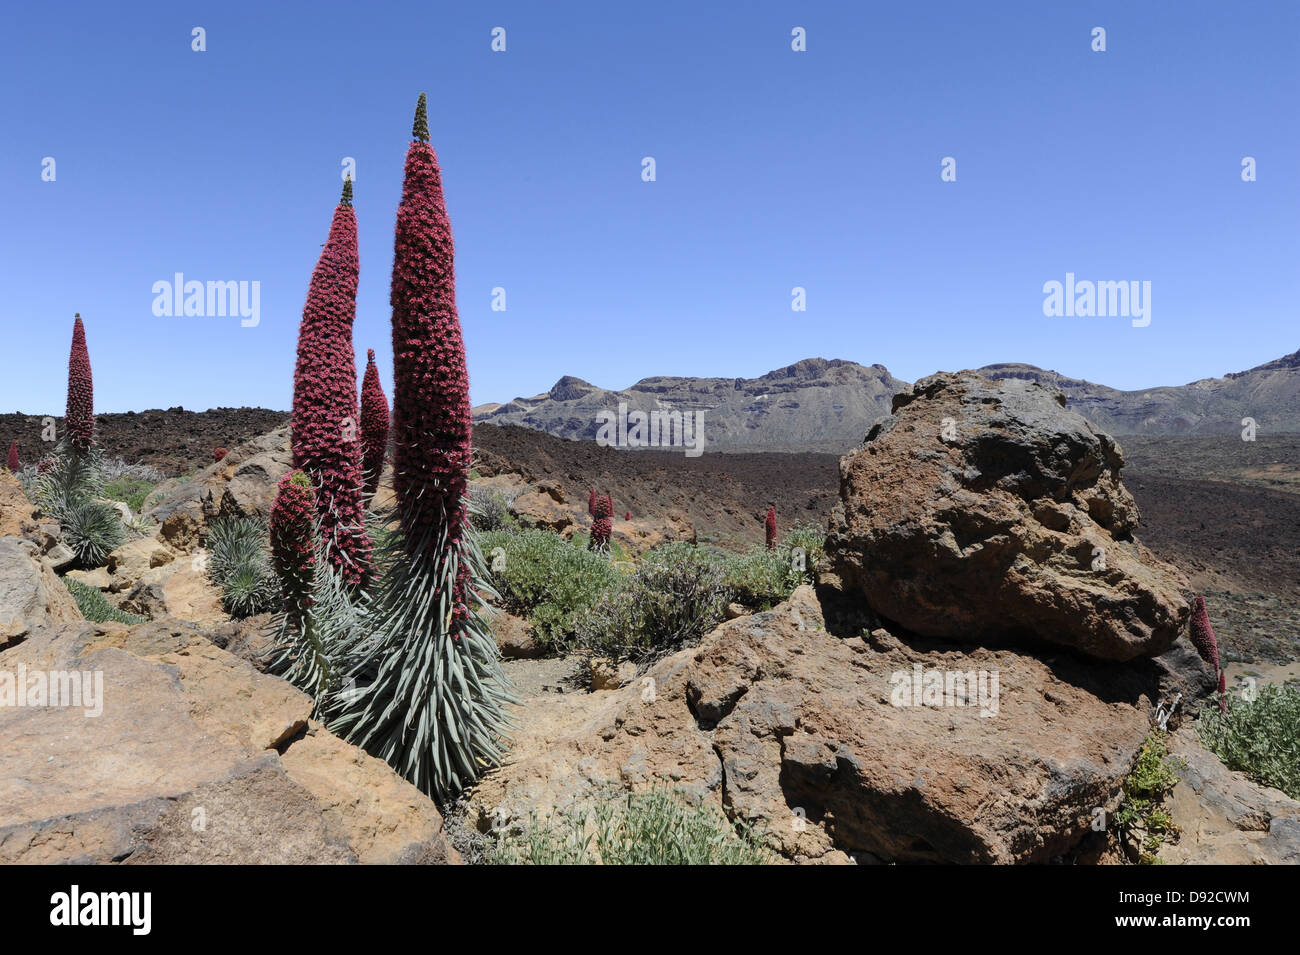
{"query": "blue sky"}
pixel 775 169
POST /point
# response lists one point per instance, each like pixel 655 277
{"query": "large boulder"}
pixel 31 594
pixel 192 757
pixel 242 484
pixel 17 513
pixel 987 512
pixel 816 741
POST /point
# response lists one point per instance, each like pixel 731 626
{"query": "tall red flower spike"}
pixel 602 525
pixel 770 527
pixel 432 427
pixel 13 463
pixel 627 516
pixel 325 441
pixel 219 453
pixel 79 421
pixel 1202 634
pixel 591 502
pixel 1223 692
pixel 374 426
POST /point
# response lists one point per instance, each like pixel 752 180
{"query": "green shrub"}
pixel 540 574
pixel 130 491
pixel 489 509
pixel 239 562
pixel 650 828
pixel 674 598
pixel 1260 737
pixel 1141 821
pixel 94 606
pixel 762 578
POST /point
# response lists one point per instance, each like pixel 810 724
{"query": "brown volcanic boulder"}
pixel 806 736
pixel 987 512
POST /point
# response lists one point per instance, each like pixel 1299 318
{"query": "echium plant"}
pixel 429 694
pixel 68 489
pixel 769 527
pixel 374 426
pixel 13 463
pixel 324 429
pixel 602 524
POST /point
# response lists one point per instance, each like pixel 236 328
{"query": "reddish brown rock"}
pixel 986 512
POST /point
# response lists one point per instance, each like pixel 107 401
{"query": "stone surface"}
pixel 136 558
pixel 17 514
pixel 242 484
pixel 793 729
pixel 177 589
pixel 192 760
pixel 31 594
pixel 987 512
pixel 1225 818
pixel 515 637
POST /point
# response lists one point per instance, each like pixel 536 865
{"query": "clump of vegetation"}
pixel 130 491
pixel 550 580
pixel 489 509
pixel 1142 823
pixel 674 598
pixel 1259 737
pixel 240 564
pixel 94 606
pixel 656 827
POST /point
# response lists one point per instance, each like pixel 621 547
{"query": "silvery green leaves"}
pixel 421 689
pixel 69 492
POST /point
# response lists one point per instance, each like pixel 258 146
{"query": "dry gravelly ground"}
pixel 1225 510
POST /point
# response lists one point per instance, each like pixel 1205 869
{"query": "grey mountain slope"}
pixel 828 405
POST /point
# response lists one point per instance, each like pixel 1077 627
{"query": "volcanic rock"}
pixel 987 512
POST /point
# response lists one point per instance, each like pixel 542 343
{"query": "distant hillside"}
pixel 812 405
pixel 828 405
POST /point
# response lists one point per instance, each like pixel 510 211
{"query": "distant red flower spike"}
pixel 13 463
pixel 219 453
pixel 602 525
pixel 591 502
pixel 325 441
pixel 1223 692
pixel 627 516
pixel 374 426
pixel 79 420
pixel 770 527
pixel 1202 634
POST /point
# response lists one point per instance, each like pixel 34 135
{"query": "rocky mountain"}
pixel 828 405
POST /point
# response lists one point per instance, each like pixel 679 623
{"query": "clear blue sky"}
pixel 775 169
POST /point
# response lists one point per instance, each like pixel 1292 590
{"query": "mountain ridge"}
pixel 821 404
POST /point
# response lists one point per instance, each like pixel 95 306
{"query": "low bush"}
pixel 93 530
pixel 540 574
pixel 675 596
pixel 1259 737
pixel 489 509
pixel 130 491
pixel 94 606
pixel 656 827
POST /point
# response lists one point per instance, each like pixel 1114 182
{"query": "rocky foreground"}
pixel 964 546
